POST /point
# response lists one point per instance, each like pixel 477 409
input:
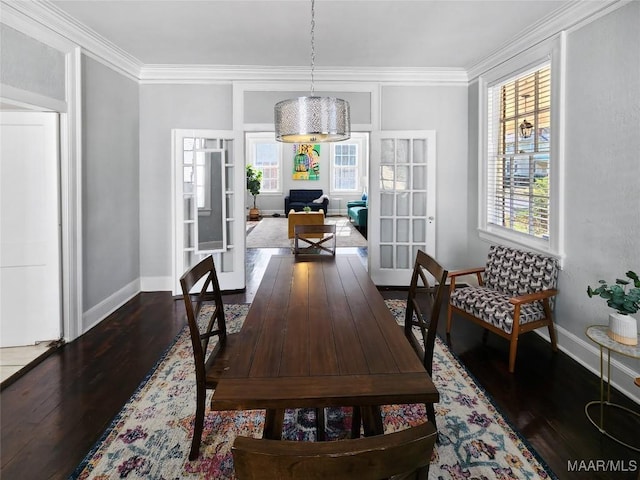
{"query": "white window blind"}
pixel 519 153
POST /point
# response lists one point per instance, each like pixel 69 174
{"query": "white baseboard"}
pixel 102 310
pixel 587 354
pixel 156 284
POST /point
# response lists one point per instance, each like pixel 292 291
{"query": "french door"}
pixel 208 205
pixel 402 197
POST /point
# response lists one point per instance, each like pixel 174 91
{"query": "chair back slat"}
pixel 369 458
pixel 423 304
pixel 203 326
pixel 315 239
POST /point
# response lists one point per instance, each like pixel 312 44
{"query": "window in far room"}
pixel 349 164
pixel 264 153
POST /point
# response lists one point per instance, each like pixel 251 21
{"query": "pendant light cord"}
pixel 313 42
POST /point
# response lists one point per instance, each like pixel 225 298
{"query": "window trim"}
pixel 361 139
pixel 253 138
pixel 553 52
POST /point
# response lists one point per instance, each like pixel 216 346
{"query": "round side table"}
pixel 598 334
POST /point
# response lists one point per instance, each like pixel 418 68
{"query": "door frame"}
pixel 16 16
pixel 231 274
pixel 400 276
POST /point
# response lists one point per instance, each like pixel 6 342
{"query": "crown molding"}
pixel 43 12
pixel 176 73
pixel 48 15
pixel 567 18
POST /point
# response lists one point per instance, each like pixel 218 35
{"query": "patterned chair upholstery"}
pixel 514 295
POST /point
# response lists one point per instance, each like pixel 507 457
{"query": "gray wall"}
pixel 30 65
pixel 163 108
pixel 110 182
pixel 602 169
pixel 602 164
pixel 443 109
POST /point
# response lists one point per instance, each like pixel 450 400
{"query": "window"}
pixel 263 152
pixel 345 168
pixel 348 164
pixel 518 154
pixel 520 180
pixel 194 149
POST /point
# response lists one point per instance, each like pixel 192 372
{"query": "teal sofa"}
pixel 357 211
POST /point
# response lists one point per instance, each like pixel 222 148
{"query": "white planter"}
pixel 623 329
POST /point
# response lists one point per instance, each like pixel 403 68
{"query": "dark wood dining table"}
pixel 319 334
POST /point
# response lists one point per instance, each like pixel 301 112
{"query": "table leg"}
pixel 372 420
pixel 273 421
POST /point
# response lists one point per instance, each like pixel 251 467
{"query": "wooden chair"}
pixel 210 357
pixel 514 295
pixel 423 293
pixel 405 454
pixel 318 238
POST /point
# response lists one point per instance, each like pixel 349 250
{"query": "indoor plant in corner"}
pixel 254 180
pixel 622 326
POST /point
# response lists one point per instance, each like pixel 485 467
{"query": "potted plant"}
pixel 254 181
pixel 306 209
pixel 625 301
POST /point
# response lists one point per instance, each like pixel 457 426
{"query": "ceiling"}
pixel 348 33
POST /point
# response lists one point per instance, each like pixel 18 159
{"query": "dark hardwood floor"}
pixel 53 415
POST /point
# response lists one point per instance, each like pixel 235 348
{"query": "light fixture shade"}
pixel 312 119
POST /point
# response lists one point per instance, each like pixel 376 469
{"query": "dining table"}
pixel 319 334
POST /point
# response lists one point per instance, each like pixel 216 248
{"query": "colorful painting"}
pixel 306 162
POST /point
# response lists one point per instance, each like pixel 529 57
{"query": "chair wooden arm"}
pixel 467 271
pixel 533 297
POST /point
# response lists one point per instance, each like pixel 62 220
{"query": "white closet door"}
pixel 402 197
pixel 30 305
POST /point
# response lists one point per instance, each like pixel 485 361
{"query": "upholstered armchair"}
pixel 514 295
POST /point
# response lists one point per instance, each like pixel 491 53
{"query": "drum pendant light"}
pixel 312 119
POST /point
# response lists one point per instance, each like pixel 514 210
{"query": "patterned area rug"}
pixel 273 232
pixel 151 436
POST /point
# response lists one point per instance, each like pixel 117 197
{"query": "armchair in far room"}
pixel 357 211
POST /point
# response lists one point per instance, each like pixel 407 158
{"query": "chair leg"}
pixel 431 416
pixel 552 337
pixel 449 315
pixel 198 424
pixel 513 348
pixel 431 413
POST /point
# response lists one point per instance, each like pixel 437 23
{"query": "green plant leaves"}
pixel 617 297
